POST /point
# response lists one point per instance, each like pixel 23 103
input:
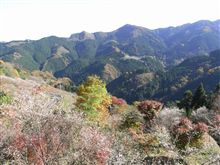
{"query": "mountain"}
pixel 171 84
pixel 171 45
pixel 190 73
pixel 129 56
pixel 190 39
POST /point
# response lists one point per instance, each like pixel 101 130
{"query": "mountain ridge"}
pixel 99 32
pixel 129 49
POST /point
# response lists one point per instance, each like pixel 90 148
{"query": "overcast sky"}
pixel 34 19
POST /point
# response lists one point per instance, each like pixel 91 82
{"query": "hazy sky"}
pixel 34 19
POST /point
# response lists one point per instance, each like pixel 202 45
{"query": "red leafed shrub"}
pixel 40 147
pixel 37 149
pixel 102 157
pixel 150 108
pixel 33 146
pixel 185 126
pixel 19 142
pixel 200 129
pixel 95 145
pixel 185 132
pixel 118 101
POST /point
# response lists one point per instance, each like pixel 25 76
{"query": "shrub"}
pixel 96 145
pixel 118 101
pixel 132 118
pixel 118 105
pixel 8 69
pixel 187 133
pixel 150 108
pixel 64 84
pixel 200 129
pixel 4 98
pixel 169 116
pixel 181 132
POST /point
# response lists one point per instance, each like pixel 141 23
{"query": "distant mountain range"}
pixel 171 84
pixel 130 57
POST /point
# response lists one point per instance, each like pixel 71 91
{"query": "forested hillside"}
pixel 135 62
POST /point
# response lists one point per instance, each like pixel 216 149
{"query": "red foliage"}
pixel 37 150
pixel 150 108
pixel 96 144
pixel 19 142
pixel 39 147
pixel 185 122
pixel 185 131
pixel 34 145
pixel 201 127
pixel 184 126
pixel 118 101
pixel 102 156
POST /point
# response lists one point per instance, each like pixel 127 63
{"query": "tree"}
pixel 94 99
pixel 199 97
pixel 217 89
pixel 212 96
pixel 186 102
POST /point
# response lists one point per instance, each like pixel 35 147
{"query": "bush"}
pixel 118 101
pixel 4 98
pixel 200 129
pixel 169 116
pixel 132 118
pixel 150 108
pixel 187 133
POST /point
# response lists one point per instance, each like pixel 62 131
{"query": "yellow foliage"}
pixel 94 99
pixel 15 72
pixel 1 62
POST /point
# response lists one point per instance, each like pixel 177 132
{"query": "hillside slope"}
pixel 170 85
pixel 41 125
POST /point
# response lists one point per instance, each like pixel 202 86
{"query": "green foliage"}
pixel 94 99
pixel 128 49
pixel 132 118
pixel 199 97
pixel 4 98
pixel 211 96
pixel 217 88
pixel 86 49
pixel 128 86
pixel 8 69
pixel 186 103
pixel 64 84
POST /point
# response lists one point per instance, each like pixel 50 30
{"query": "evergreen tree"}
pixel 217 89
pixel 199 97
pixel 186 102
pixel 213 96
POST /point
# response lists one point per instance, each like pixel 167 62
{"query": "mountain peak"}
pixel 129 27
pixel 130 31
pixel 82 36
